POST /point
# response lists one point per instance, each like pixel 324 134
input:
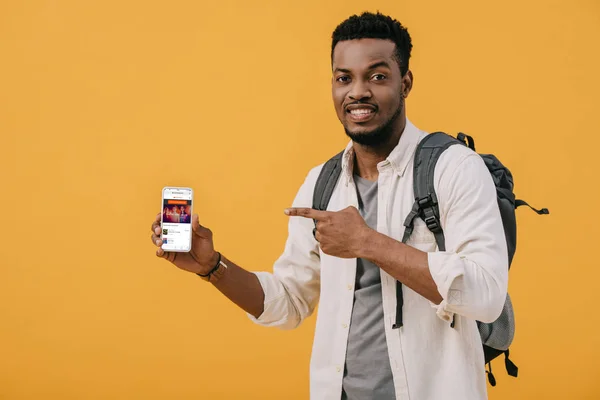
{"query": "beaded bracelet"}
pixel 207 276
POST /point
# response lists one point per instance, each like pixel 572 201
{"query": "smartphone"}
pixel 176 219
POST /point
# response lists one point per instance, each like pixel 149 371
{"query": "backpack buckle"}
pixel 432 223
pixel 426 206
pixel 425 202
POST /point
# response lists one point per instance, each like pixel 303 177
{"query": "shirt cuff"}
pixel 442 312
pixel 446 269
pixel 273 292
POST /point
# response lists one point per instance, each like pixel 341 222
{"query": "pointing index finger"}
pixel 306 213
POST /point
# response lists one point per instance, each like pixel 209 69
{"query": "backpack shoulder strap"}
pixel 427 154
pixel 426 205
pixel 326 182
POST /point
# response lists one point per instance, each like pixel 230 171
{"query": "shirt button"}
pixel 344 326
pixel 338 368
pixel 349 287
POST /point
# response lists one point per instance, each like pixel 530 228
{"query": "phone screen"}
pixel 177 219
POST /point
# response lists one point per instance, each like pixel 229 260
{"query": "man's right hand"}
pixel 200 259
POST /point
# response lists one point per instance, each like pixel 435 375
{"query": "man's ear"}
pixel 407 83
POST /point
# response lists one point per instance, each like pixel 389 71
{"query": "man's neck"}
pixel 366 158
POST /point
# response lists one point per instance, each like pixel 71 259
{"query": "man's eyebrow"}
pixel 345 71
pixel 371 67
pixel 379 64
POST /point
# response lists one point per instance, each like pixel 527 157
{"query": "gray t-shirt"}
pixel 367 374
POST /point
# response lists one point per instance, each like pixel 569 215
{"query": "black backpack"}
pixel 497 336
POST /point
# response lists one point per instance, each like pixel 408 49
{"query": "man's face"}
pixel 368 89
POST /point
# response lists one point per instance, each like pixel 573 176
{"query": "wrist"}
pixel 367 243
pixel 207 266
pixel 212 262
pixel 216 271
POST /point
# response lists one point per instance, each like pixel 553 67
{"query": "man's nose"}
pixel 359 91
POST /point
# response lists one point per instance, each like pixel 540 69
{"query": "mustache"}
pixel 357 103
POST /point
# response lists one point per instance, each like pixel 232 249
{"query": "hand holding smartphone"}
pixel 176 219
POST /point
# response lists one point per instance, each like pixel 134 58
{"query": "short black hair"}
pixel 375 26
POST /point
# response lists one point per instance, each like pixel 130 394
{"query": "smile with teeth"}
pixel 361 114
pixel 361 111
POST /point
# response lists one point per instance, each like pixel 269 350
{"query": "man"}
pixel 351 262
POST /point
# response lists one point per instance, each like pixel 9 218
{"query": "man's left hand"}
pixel 341 234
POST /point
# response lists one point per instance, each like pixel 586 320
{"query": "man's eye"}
pixel 378 77
pixel 343 79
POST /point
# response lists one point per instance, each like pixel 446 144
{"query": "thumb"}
pixel 200 230
pixel 352 209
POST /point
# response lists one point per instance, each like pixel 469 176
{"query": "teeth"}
pixel 361 111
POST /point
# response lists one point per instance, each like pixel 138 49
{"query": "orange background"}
pixel 105 103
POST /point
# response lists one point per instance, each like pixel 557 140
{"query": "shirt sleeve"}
pixel 292 290
pixel 472 274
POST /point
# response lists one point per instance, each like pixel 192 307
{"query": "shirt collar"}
pixel 398 158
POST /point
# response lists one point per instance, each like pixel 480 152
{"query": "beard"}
pixel 379 135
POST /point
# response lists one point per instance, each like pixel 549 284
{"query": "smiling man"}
pixel 353 262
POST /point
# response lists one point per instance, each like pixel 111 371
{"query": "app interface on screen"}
pixel 177 219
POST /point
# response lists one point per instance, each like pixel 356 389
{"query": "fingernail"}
pixel 158 242
pixel 286 211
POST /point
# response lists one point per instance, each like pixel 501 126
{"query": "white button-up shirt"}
pixel 429 359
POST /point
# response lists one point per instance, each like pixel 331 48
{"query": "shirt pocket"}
pixel 421 238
